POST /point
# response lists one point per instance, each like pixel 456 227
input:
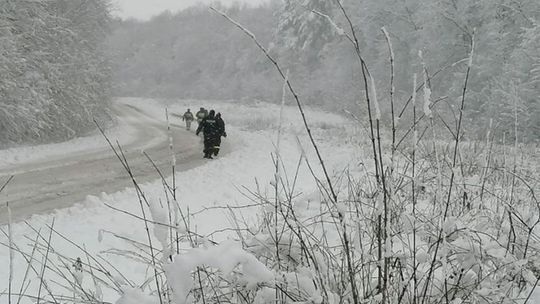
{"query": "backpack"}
pixel 201 115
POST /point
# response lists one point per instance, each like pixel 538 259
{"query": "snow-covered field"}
pixel 248 233
pixel 207 190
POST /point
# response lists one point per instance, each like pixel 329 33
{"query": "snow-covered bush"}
pixel 481 252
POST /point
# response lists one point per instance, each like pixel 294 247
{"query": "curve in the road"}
pixel 44 186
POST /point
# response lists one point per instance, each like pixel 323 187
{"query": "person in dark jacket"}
pixel 211 133
pixel 221 130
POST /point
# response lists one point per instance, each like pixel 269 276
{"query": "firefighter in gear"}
pixel 211 133
pixel 221 131
pixel 188 118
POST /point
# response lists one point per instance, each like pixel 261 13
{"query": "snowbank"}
pixel 94 141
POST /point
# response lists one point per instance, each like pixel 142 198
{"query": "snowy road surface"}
pixel 59 181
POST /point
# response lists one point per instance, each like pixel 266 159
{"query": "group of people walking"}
pixel 212 127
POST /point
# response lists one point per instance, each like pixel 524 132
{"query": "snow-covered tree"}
pixel 517 88
pixel 55 75
pixel 195 54
pixel 164 57
pixel 301 30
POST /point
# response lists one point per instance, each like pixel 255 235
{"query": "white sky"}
pixel 145 9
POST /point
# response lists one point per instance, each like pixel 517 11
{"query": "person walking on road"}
pixel 211 133
pixel 220 123
pixel 188 118
pixel 201 115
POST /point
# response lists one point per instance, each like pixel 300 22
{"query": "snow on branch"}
pixel 427 89
pixel 374 97
pixel 340 31
pixel 390 46
pixel 473 44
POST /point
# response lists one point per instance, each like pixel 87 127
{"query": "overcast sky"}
pixel 144 9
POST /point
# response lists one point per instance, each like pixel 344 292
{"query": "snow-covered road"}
pixel 66 177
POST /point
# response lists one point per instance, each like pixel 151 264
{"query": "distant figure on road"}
pixel 201 115
pixel 211 133
pixel 188 118
pixel 221 131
